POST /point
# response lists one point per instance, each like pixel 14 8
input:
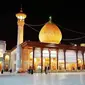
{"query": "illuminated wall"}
pixel 2 51
pixel 2 48
pixel 13 60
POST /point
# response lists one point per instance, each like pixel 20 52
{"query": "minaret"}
pixel 20 22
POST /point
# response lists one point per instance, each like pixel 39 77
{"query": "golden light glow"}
pixel 7 57
pixel 50 33
pixel 82 44
pixel 35 60
pixel 43 60
pixel 52 60
pixel 21 16
pixel 79 61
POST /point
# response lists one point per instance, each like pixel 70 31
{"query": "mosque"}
pixel 47 52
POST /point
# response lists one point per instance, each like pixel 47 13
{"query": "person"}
pixel 32 70
pixel 45 69
pixel 48 69
pixel 2 71
pixel 10 70
pixel 73 68
pixel 29 70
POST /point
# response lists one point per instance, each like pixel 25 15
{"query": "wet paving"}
pixel 43 79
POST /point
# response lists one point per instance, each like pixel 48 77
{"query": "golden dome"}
pixel 50 33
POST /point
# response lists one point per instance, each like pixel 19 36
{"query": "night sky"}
pixel 70 16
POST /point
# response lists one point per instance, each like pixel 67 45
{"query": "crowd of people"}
pixel 30 70
pixel 46 70
pixel 2 71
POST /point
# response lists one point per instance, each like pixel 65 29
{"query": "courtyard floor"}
pixel 75 78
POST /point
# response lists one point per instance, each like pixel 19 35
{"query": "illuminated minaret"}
pixel 20 22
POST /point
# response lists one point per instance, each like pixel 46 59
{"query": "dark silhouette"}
pixel 73 68
pixel 78 67
pixel 10 70
pixel 29 70
pixel 46 69
pixel 1 71
pixel 32 70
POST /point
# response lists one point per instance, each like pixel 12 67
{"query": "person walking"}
pixel 32 70
pixel 46 69
pixel 2 71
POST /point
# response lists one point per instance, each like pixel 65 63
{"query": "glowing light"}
pixel 79 61
pixel 82 44
pixel 35 60
pixel 43 60
pixel 52 60
pixel 7 57
pixel 61 61
pixel 21 16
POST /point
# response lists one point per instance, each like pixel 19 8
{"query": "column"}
pixel 9 61
pixel 4 61
pixel 20 22
pixel 49 59
pixel 76 59
pixel 33 57
pixel 57 59
pixel 41 60
pixel 64 59
pixel 18 57
pixel 83 59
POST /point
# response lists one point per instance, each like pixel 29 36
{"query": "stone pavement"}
pixel 43 79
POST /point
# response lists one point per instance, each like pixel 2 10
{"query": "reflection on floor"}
pixel 44 79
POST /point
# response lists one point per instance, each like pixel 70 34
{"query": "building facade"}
pixel 58 57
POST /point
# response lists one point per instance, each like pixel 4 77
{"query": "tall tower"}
pixel 20 22
pixel 21 17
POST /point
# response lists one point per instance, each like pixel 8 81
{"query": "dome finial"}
pixel 21 8
pixel 50 19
